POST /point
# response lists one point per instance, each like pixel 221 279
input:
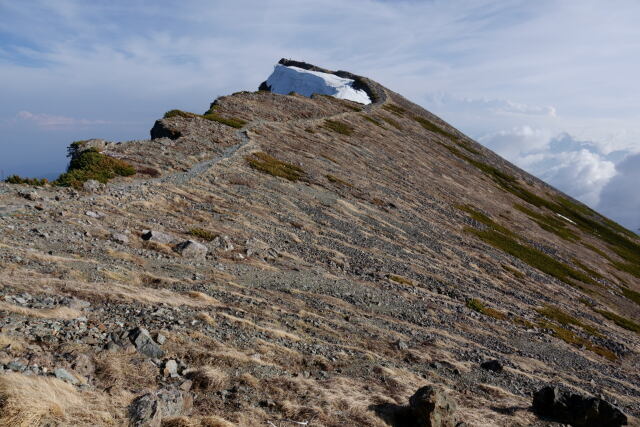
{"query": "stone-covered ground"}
pixel 315 300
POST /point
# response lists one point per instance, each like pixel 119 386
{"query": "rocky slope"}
pixel 283 260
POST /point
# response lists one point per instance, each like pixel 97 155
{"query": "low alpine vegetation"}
pixel 16 179
pixel 272 166
pixel 203 234
pixel 339 127
pixel 92 164
pixel 621 321
pixel 209 115
pixel 477 305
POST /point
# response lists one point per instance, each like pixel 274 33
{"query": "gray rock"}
pixel 576 410
pixel 29 194
pixel 161 339
pixel 492 365
pixel 191 249
pixel 149 409
pixel 170 369
pixel 120 238
pixel 64 375
pixel 16 366
pixel 144 343
pixel 158 236
pixel 432 407
pixel 401 345
pixel 223 242
pixel 92 186
pixel 84 365
pixel 93 214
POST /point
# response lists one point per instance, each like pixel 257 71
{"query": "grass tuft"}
pixel 202 234
pixel 400 279
pixel 577 341
pixel 395 109
pixel 16 179
pixel 623 322
pixel 555 313
pixel 632 295
pixel 339 127
pixel 550 223
pixel 92 164
pixel 209 115
pixel 337 180
pixel 477 305
pixel 272 166
pixel 372 120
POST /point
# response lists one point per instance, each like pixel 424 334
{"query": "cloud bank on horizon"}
pixel 551 86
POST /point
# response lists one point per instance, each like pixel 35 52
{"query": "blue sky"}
pixel 550 85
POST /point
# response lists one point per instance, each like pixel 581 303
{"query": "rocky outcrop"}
pixel 432 407
pixel 576 410
pixel 191 249
pixel 164 129
pixel 149 409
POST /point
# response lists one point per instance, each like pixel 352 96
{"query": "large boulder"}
pixel 158 236
pixel 143 342
pixel 191 249
pixel 149 409
pixel 576 410
pixel 165 128
pixel 432 407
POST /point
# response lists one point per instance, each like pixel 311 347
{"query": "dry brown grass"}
pixel 8 342
pixel 204 317
pixel 50 313
pixel 203 298
pixel 121 370
pixel 34 401
pixel 159 247
pixel 209 421
pixel 208 378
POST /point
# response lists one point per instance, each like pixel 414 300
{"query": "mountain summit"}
pixel 283 259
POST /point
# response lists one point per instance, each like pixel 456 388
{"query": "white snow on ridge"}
pixel 285 79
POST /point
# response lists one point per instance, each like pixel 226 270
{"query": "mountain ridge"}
pixel 360 252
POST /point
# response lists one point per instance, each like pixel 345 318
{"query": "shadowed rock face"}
pixel 577 410
pixel 342 258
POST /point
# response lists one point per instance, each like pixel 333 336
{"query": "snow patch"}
pixel 285 79
pixel 565 218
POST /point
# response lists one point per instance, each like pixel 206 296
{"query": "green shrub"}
pixel 92 164
pixel 339 127
pixel 372 120
pixel 16 179
pixel 392 122
pixel 337 180
pixel 533 257
pixel 577 341
pixel 632 295
pixel 484 219
pixel 395 109
pixel 555 313
pixel 209 115
pixel 202 234
pixel 272 166
pixel 477 305
pixel 550 223
pixel 620 321
pixel 400 279
pixel 234 123
pixel 179 113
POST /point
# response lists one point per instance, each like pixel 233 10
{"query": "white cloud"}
pixel 620 199
pixel 51 122
pixel 574 167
